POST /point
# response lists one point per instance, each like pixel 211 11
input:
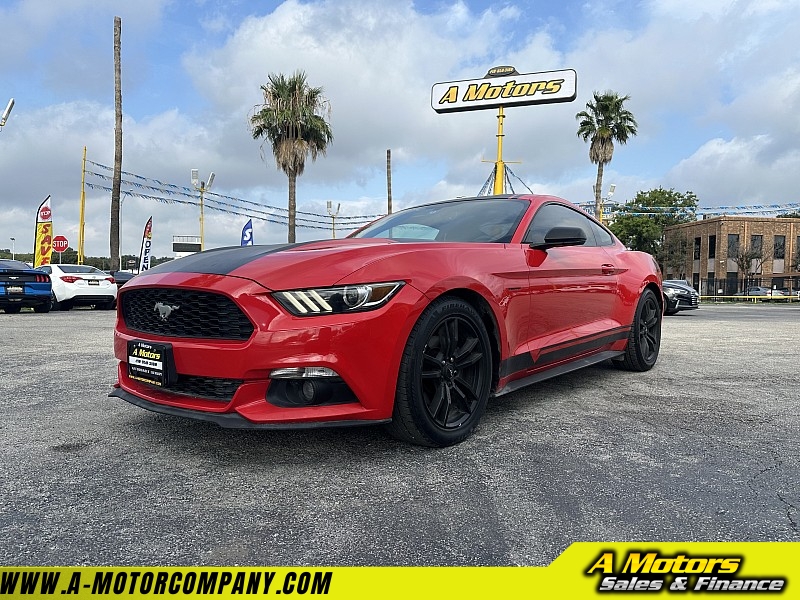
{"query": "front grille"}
pixel 210 388
pixel 184 313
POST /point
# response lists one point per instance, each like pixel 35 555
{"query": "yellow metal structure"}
pixel 82 218
pixel 500 167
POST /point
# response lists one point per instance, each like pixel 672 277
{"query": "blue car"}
pixel 21 286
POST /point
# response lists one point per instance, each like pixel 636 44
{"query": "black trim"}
pixel 556 352
pixel 515 364
pixel 231 420
pixel 562 351
pixel 559 370
pixel 221 261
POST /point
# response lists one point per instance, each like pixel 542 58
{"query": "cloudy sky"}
pixel 713 84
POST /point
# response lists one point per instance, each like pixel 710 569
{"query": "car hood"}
pixel 286 266
pixel 678 286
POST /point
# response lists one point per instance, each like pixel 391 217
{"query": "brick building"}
pixel 713 244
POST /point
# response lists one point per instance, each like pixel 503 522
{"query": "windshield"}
pixel 13 265
pixel 81 269
pixel 471 220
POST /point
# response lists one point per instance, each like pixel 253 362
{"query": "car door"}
pixel 573 288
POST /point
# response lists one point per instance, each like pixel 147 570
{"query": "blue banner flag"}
pixel 247 234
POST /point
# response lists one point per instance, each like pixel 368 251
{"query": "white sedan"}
pixel 75 285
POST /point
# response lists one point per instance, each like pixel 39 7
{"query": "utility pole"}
pixel 389 180
pixel 117 176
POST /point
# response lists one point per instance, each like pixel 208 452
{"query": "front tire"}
pixel 444 378
pixel 644 341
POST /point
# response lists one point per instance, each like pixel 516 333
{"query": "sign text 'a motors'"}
pixel 500 89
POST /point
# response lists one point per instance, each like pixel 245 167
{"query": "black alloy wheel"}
pixel 644 341
pixel 445 375
pixel 452 374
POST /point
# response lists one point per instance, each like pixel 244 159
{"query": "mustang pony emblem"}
pixel 165 310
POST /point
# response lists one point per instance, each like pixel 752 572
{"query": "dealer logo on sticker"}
pixel 653 572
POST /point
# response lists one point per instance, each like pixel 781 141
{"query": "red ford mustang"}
pixel 414 321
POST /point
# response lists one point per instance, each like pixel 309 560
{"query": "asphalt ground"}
pixel 701 448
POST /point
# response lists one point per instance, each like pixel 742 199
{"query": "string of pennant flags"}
pixel 278 215
pixel 743 210
pixel 273 214
pixel 104 188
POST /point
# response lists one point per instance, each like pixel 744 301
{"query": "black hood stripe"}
pixel 221 261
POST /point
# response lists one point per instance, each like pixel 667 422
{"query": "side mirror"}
pixel 558 237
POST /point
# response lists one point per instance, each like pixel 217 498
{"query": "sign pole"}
pixel 500 167
pixel 82 218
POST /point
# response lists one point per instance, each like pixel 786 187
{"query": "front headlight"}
pixel 671 292
pixel 337 300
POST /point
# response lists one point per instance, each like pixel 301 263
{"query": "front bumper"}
pixel 86 294
pixel 230 420
pixel 364 349
pixel 683 302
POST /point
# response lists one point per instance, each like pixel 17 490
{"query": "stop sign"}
pixel 60 243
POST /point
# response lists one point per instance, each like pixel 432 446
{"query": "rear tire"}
pixel 644 341
pixel 444 378
pixel 65 305
pixel 43 308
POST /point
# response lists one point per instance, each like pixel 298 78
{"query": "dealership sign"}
pixel 503 86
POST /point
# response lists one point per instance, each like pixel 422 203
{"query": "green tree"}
pixel 293 120
pixel 605 121
pixel 640 223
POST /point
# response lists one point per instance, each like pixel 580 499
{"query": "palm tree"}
pixel 604 122
pixel 291 120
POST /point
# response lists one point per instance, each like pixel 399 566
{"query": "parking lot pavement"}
pixel 703 447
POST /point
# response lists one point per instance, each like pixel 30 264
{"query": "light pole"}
pixel 13 255
pixel 202 187
pixel 333 216
pixel 611 189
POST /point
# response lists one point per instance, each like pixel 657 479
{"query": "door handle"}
pixel 608 269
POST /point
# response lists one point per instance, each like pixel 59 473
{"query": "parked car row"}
pixel 57 286
pixel 765 293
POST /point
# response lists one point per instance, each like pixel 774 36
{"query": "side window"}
pixel 603 237
pixel 47 270
pixel 558 215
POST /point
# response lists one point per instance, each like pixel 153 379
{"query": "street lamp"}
pixel 202 187
pixel 12 248
pixel 6 112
